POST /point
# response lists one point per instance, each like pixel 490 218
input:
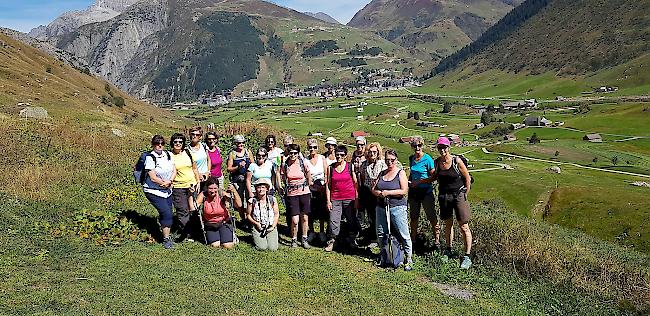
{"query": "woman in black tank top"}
pixel 454 184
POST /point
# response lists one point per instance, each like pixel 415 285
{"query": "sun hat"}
pixel 443 141
pixel 330 141
pixel 239 139
pixel 360 138
pixel 263 181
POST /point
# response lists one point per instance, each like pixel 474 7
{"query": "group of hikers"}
pixel 321 187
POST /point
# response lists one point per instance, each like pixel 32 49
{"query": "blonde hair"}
pixel 312 141
pixel 417 139
pixel 379 149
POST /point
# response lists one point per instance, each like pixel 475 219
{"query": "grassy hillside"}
pixel 431 29
pixel 554 48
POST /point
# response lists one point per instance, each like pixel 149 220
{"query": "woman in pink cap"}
pixel 454 184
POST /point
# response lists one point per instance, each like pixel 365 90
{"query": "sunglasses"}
pixel 239 143
pixel 178 141
pixel 360 145
pixel 340 155
pixel 260 156
pixel 196 134
pixel 313 147
pixel 270 142
pixel 442 147
pixel 293 152
pixel 374 152
pixel 390 160
pixel 417 145
pixel 212 139
pixel 159 144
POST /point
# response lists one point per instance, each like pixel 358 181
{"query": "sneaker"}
pixel 305 243
pixel 330 245
pixel 322 237
pixel 294 243
pixel 408 266
pixel 467 262
pixel 373 245
pixel 168 243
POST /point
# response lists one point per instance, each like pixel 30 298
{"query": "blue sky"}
pixel 23 15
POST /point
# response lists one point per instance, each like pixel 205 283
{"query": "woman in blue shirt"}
pixel 420 193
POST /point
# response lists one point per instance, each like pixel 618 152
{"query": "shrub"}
pixel 118 101
pixel 104 227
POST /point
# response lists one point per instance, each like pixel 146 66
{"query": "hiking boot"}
pixel 408 266
pixel 294 243
pixel 305 243
pixel 168 243
pixel 467 262
pixel 330 245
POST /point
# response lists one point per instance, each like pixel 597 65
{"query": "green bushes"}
pixel 538 250
pixel 319 48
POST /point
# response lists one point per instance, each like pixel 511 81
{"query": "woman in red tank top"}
pixel 219 231
pixel 342 199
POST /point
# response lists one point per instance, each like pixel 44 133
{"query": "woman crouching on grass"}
pixel 263 213
pixel 391 188
pixel 157 185
pixel 219 232
pixel 453 185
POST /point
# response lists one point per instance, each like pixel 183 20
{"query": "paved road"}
pixel 568 163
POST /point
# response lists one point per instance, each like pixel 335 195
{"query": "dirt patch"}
pixel 454 291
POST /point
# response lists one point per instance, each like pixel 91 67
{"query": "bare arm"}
pixel 276 215
pixel 230 167
pixel 196 172
pixel 200 199
pixel 249 216
pixel 249 177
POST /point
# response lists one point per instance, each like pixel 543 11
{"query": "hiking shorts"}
pixel 455 203
pixel 223 233
pixel 299 204
pixel 417 201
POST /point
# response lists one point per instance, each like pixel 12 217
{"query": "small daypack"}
pixel 139 174
pixel 391 254
pixel 285 170
pixel 454 165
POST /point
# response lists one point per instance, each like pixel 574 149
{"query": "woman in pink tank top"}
pixel 342 199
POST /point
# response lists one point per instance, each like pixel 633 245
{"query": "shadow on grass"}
pixel 144 222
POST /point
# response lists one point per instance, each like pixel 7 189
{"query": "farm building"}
pixel 517 126
pixel 427 124
pixel 593 138
pixel 510 137
pixel 537 121
pixel 455 139
pixel 479 126
pixel 358 133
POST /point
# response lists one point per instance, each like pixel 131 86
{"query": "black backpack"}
pixel 465 162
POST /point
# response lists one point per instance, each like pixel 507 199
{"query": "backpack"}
pixel 238 177
pixel 454 165
pixel 139 176
pixel 391 254
pixel 285 167
pixel 350 170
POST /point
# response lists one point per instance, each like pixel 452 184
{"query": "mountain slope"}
pixel 323 17
pixel 180 49
pixel 597 42
pixel 101 10
pixel 431 28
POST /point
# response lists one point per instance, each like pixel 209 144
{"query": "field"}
pixel 529 188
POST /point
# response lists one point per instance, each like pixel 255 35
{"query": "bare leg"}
pixel 449 232
pixel 294 226
pixel 229 245
pixel 304 221
pixel 166 231
pixel 436 229
pixel 467 237
pixel 414 227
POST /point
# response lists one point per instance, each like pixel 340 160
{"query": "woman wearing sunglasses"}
pixel 390 189
pixel 273 152
pixel 200 155
pixel 370 170
pixel 157 185
pixel 454 184
pixel 297 180
pixel 420 193
pixel 342 199
pixel 185 182
pixel 318 169
pixel 214 154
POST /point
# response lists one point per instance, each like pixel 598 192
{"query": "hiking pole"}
pixel 233 219
pixel 390 242
pixel 200 211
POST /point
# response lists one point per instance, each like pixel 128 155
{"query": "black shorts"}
pixel 300 204
pixel 319 206
pixel 223 233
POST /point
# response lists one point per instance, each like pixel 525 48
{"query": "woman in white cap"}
pixel 263 213
pixel 454 183
pixel 330 157
pixel 238 161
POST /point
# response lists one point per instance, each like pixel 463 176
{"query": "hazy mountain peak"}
pixel 323 17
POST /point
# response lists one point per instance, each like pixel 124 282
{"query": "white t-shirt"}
pixel 164 168
pixel 265 214
pixel 273 154
pixel 317 171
